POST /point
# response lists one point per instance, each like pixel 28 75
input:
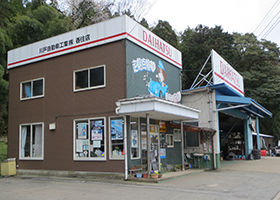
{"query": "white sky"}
pixel 242 16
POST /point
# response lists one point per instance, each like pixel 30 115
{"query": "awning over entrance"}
pixel 156 108
pixel 227 98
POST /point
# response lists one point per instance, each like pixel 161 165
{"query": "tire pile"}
pixel 256 154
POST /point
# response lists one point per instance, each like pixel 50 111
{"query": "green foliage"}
pixel 144 23
pixel 3 151
pixel 259 65
pixel 24 30
pixel 196 45
pixel 164 30
pixel 5 44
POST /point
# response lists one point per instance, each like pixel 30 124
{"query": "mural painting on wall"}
pixel 156 86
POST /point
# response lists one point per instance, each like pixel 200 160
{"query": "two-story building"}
pixel 95 99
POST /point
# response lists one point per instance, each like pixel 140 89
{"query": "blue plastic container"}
pixel 138 175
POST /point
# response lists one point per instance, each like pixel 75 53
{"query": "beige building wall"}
pixel 204 100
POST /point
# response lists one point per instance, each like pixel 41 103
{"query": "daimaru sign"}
pixel 225 73
pixel 98 34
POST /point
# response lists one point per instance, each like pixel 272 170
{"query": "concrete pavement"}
pixel 256 180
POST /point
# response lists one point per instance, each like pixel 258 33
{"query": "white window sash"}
pixel 23 140
pixel 38 141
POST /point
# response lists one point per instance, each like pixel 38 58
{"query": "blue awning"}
pixel 227 98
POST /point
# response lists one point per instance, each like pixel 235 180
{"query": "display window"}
pixel 32 89
pixel 116 138
pixel 90 78
pixel 32 141
pixel 135 138
pixel 89 139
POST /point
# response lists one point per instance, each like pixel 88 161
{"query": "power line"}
pixel 266 16
pixel 269 24
pixel 272 27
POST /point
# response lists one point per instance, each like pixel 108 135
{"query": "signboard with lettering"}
pixel 115 29
pixel 225 73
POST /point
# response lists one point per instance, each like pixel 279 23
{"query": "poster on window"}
pixel 144 143
pixel 82 130
pixel 117 129
pixel 96 134
pixel 162 153
pixel 162 127
pixel 79 145
pixel 134 139
pixel 96 124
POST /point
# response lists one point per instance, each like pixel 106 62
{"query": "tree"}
pixel 164 30
pixel 5 43
pixel 258 63
pixel 144 23
pixel 196 44
pixel 39 22
pixel 133 8
pixel 86 12
pixel 8 9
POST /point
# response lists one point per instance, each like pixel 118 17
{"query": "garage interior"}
pixel 232 144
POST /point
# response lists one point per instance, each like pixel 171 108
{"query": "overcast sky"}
pixel 242 16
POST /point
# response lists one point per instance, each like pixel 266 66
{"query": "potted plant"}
pixel 145 174
pixel 154 175
pixel 177 167
pixel 159 174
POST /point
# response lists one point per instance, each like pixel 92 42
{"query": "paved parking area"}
pixel 257 179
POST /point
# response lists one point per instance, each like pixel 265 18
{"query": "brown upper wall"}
pixel 60 100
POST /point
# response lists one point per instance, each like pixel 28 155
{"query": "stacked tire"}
pixel 256 154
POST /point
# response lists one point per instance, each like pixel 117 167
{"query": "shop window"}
pixel 89 139
pixel 169 140
pixel 32 89
pixel 90 78
pixel 31 141
pixel 117 138
pixel 177 135
pixel 191 139
pixel 135 138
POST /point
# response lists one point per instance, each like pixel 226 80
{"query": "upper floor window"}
pixel 89 78
pixel 32 89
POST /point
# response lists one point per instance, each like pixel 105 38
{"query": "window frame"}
pixel 88 70
pixel 88 132
pixel 167 137
pixel 31 89
pixel 31 133
pixel 139 140
pixel 119 157
pixel 177 135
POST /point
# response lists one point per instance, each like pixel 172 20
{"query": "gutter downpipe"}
pixel 148 145
pixel 182 145
pixel 212 126
pixel 258 133
pixel 125 149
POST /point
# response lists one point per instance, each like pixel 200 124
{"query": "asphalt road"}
pixel 258 179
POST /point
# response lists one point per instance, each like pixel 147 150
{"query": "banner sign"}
pixel 225 73
pixel 112 30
